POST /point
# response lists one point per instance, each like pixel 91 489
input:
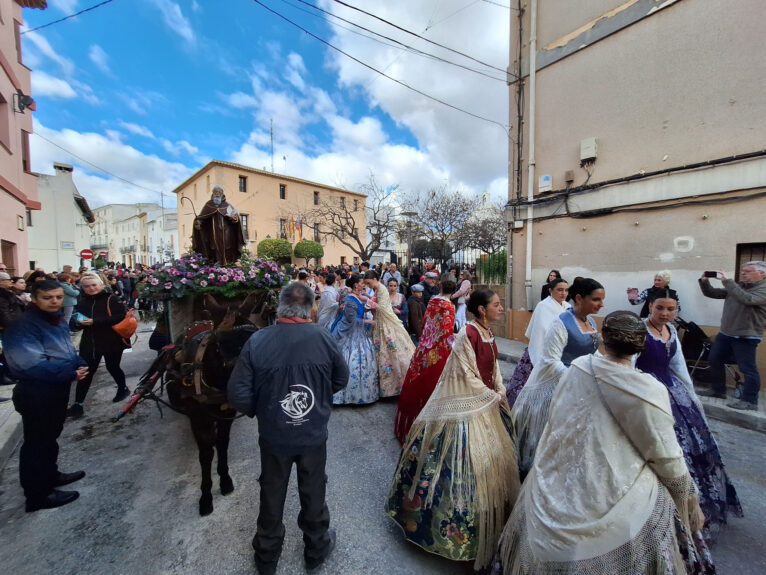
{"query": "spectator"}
pixel 102 310
pixel 19 287
pixel 11 307
pixel 392 272
pixel 71 294
pixel 41 356
pixel 742 324
pixel 286 376
pixel 552 275
pixel 661 285
pixel 416 309
pixel 430 286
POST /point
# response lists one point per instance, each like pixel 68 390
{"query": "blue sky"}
pixel 151 90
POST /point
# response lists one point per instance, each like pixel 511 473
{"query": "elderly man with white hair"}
pixel 286 376
pixel 742 323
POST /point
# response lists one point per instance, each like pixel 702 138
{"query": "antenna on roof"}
pixel 271 133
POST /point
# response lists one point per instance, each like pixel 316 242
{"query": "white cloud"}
pixel 45 85
pixel 475 151
pixel 99 58
pixel 240 100
pixel 348 136
pixel 45 48
pixel 109 153
pixel 137 129
pixel 65 6
pixel 175 20
pixel 182 146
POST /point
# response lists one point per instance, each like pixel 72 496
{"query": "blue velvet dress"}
pixel 358 350
pixel 717 495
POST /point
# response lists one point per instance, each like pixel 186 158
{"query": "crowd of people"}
pixel 595 458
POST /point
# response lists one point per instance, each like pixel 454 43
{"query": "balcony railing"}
pixel 128 250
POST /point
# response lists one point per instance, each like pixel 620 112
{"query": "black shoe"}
pixel 742 404
pixel 314 564
pixel 67 478
pixel 263 568
pixel 711 393
pixel 75 411
pixel 122 393
pixel 54 499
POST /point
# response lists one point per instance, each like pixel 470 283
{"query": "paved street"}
pixel 138 507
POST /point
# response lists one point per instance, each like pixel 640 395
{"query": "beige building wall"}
pixel 673 94
pixel 262 206
pixel 18 185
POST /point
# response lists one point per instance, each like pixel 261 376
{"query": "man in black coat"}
pixel 286 376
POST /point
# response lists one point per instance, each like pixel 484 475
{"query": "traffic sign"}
pixel 103 254
pixel 86 254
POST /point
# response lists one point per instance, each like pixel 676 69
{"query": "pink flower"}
pixel 224 278
pixel 203 283
pixel 211 276
pixel 267 277
pixel 184 281
pixel 168 285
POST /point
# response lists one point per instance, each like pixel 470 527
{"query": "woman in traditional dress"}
pixel 570 335
pixel 357 349
pixel 552 275
pixel 609 493
pixel 457 479
pixel 328 302
pixel 460 297
pixel 663 359
pixel 393 346
pixel 434 347
pixel 398 301
pixel 542 318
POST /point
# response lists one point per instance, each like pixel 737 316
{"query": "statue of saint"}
pixel 217 233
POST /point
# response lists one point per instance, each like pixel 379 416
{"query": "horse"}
pixel 196 369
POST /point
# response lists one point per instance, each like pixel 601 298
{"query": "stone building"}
pixel 271 205
pixel 637 146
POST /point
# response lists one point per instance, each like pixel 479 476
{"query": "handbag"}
pixel 125 328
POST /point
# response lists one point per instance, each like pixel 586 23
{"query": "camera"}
pixel 711 274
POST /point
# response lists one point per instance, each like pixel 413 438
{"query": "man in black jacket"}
pixel 286 376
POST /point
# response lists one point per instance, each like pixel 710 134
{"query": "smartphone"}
pixel 711 274
pixel 80 317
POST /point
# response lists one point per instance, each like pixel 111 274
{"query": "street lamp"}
pixel 409 216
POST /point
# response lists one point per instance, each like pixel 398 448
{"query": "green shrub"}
pixel 275 249
pixel 307 249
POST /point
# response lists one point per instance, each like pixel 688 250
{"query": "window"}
pixel 25 164
pixel 195 190
pixel 749 253
pixel 342 203
pixel 342 260
pixel 245 231
pixel 282 192
pixel 316 198
pixel 243 184
pixel 283 228
pixel 29 218
pixel 17 31
pixel 356 205
pixel 316 231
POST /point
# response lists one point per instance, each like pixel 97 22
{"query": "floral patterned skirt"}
pixel 519 378
pixel 442 528
pixel 718 497
pixel 394 350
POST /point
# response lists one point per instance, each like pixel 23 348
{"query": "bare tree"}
pixel 342 222
pixel 486 229
pixel 441 217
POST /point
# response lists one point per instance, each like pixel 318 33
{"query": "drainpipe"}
pixel 531 124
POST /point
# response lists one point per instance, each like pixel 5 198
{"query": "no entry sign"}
pixel 86 254
pixel 103 254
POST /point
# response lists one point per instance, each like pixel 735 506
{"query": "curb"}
pixel 745 419
pixel 11 432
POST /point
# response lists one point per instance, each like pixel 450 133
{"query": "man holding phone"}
pixel 742 324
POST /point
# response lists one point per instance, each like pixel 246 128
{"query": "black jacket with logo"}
pixel 286 376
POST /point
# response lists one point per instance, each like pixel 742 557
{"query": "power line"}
pixel 368 66
pixel 402 44
pixel 83 11
pixel 501 5
pixel 416 35
pixel 99 168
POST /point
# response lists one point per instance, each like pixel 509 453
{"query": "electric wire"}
pixel 99 168
pixel 368 66
pixel 83 11
pixel 416 35
pixel 395 41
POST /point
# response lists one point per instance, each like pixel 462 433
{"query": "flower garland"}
pixel 192 273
